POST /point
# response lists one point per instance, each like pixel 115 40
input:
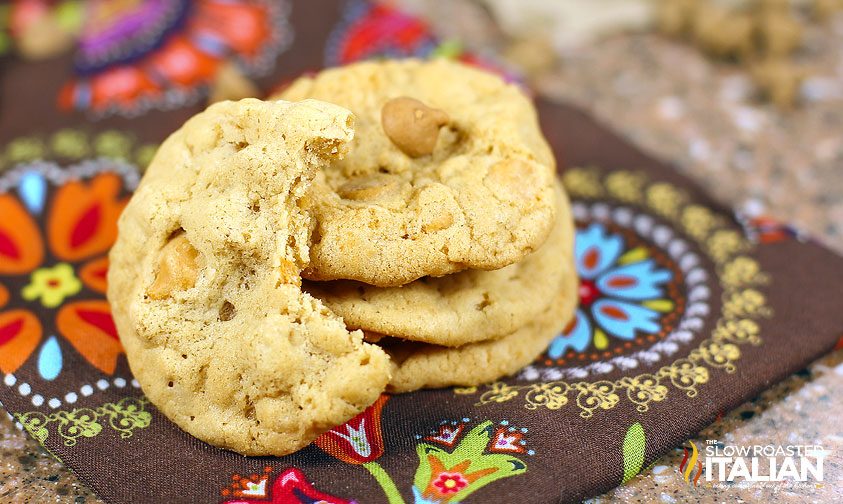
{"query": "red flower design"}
pixel 289 487
pixel 359 440
pixel 506 441
pixel 448 482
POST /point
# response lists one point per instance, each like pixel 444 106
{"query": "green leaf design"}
pixel 393 496
pixel 633 451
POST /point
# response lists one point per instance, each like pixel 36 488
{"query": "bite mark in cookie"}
pixel 205 287
pixel 448 171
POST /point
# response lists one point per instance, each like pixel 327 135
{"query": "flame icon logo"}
pixel 688 462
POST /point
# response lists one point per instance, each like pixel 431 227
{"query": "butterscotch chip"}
pixel 440 127
pixel 439 222
pixel 177 268
pixel 370 187
pixel 214 322
pixel 289 273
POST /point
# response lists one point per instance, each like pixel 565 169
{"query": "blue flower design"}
pixel 622 292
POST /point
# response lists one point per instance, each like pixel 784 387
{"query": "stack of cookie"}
pixel 420 205
pixel 444 234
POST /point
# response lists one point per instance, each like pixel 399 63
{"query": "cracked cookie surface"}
pixel 448 171
pixel 205 288
pixel 464 307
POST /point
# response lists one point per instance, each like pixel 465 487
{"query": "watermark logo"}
pixel 750 464
pixel 686 467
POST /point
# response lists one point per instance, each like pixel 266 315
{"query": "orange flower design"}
pixel 88 326
pixel 83 217
pixel 80 225
pixel 21 247
pixel 20 332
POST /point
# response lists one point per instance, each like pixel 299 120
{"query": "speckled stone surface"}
pixel 28 474
pixel 703 117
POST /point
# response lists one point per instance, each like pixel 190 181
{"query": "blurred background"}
pixel 744 96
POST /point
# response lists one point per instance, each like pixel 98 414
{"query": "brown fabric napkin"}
pixel 686 309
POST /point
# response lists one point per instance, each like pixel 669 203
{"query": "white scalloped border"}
pixel 24 389
pixel 57 175
pixel 698 294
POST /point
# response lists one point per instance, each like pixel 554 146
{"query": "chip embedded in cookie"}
pixel 448 171
pixel 464 307
pixel 205 289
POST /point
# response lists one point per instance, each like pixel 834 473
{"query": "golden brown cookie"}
pixel 205 289
pixel 448 171
pixel 421 365
pixel 464 307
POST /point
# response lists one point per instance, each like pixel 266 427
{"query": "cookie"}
pixel 421 365
pixel 448 171
pixel 464 307
pixel 205 289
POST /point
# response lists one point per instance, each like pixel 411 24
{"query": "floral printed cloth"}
pixel 686 308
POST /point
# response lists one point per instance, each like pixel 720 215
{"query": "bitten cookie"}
pixel 464 307
pixel 448 171
pixel 205 289
pixel 421 365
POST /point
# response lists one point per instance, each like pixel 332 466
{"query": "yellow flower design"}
pixel 52 285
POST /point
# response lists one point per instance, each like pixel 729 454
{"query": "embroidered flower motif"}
pixel 164 53
pixel 358 441
pixel 375 30
pixel 447 435
pixel 477 460
pixel 448 482
pixel 52 285
pixel 622 292
pixel 454 461
pixel 289 487
pixel 508 440
pixel 80 227
pixel 765 229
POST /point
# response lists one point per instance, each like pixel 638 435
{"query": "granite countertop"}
pixel 702 116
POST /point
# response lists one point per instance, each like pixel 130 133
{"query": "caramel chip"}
pixel 177 268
